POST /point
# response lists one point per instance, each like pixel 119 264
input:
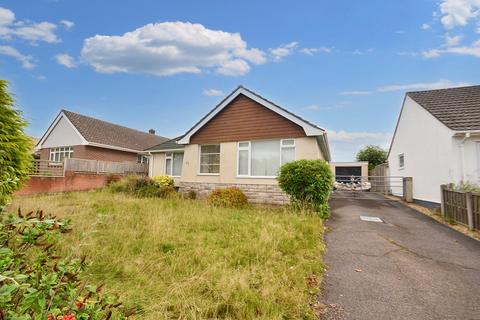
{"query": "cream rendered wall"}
pixel 62 135
pixel 305 148
pixel 157 164
pixel 471 163
pixel 431 155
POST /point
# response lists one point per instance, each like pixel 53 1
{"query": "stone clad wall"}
pixel 256 193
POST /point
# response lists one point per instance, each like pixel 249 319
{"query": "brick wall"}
pixel 71 182
pixel 256 193
pixel 95 153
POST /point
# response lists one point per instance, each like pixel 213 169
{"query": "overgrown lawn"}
pixel 175 258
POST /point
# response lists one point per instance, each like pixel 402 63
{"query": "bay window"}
pixel 210 159
pixel 264 158
pixel 173 164
pixel 60 153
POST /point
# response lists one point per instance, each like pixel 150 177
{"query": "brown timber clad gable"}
pixel 245 119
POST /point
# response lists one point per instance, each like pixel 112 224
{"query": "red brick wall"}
pixel 71 182
pixel 95 153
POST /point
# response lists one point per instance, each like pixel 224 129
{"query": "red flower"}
pixel 79 304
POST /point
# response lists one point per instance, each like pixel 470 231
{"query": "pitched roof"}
pixel 168 145
pixel 457 108
pixel 110 134
pixel 309 128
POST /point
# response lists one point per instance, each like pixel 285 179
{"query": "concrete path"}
pixel 408 267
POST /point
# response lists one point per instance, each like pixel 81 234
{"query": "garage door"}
pixel 344 173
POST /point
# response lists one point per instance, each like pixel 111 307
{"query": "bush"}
pixel 15 147
pixel 111 178
pixel 164 181
pixel 191 195
pixel 309 183
pixel 228 198
pixel 142 187
pixel 36 283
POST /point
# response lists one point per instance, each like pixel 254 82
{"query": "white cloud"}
pixel 34 32
pixel 6 17
pixel 362 52
pixel 471 50
pixel 346 144
pixel 422 86
pixel 212 92
pixel 355 93
pixel 313 107
pixel 452 41
pixel 25 60
pixel 283 51
pixel 170 48
pixel 67 24
pixel 426 26
pixel 66 60
pixel 41 78
pixel 458 12
pixel 313 51
pixel 432 53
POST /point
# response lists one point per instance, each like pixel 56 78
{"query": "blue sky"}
pixel 344 65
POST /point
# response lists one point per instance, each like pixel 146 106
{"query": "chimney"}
pixel 151 131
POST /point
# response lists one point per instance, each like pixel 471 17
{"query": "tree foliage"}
pixel 375 155
pixel 15 146
pixel 309 183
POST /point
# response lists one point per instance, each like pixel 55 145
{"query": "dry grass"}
pixel 174 258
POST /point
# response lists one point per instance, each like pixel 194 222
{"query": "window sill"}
pixel 208 174
pixel 257 177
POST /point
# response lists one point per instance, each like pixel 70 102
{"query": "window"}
pixel 210 159
pixel 173 164
pixel 142 159
pixel 401 161
pixel 58 154
pixel 264 158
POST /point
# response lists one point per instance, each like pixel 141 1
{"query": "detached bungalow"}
pixel 242 142
pixel 437 140
pixel 73 135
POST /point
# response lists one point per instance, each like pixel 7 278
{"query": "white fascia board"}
pixel 309 129
pixel 106 146
pixel 53 125
pixel 166 150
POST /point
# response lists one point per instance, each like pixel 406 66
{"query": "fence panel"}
pixel 455 206
pixel 46 168
pixel 99 166
pixel 476 210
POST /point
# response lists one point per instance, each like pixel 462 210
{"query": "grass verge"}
pixel 183 259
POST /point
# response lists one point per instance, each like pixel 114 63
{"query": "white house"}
pixel 437 140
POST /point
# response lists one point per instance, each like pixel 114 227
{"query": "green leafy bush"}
pixel 228 198
pixel 36 283
pixel 309 183
pixel 15 147
pixel 142 187
pixel 164 181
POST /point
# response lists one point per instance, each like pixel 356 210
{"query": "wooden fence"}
pixel 461 207
pixel 46 168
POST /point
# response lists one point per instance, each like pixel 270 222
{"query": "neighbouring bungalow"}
pixel 72 135
pixel 437 140
pixel 242 142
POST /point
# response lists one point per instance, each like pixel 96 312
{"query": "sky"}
pixel 343 65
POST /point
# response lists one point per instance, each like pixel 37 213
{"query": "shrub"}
pixel 228 198
pixel 15 147
pixel 143 187
pixel 192 195
pixel 164 181
pixel 309 183
pixel 111 178
pixel 36 283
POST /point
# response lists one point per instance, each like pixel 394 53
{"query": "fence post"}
pixel 468 197
pixel 442 201
pixel 407 189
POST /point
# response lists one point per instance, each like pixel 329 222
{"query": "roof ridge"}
pixel 65 111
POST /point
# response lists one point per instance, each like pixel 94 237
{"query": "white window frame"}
pixel 400 165
pixel 60 150
pixel 144 159
pixel 200 159
pixel 169 156
pixel 249 148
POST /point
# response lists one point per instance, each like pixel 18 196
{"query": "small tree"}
pixel 309 183
pixel 375 155
pixel 15 146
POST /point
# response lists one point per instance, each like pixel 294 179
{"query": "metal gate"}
pixel 370 188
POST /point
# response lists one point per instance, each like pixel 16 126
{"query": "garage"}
pixel 343 171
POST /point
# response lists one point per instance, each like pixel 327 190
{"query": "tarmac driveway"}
pixel 407 267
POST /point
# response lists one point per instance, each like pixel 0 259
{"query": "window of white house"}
pixel 401 161
pixel 173 164
pixel 58 154
pixel 210 159
pixel 264 158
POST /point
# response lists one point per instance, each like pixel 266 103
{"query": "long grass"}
pixel 182 259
